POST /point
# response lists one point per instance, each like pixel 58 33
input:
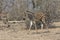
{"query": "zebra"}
pixel 33 17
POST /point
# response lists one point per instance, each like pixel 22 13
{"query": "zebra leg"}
pixel 35 26
pixel 47 30
pixel 45 24
pixel 41 26
pixel 31 23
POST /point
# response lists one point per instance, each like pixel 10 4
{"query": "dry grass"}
pixel 15 33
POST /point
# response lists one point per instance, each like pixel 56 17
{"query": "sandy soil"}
pixel 15 33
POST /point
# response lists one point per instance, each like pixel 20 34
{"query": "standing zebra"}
pixel 36 17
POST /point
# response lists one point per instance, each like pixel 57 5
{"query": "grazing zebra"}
pixel 33 17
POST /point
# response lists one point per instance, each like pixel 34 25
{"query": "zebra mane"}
pixel 29 11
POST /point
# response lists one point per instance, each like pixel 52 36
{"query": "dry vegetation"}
pixel 15 10
pixel 17 32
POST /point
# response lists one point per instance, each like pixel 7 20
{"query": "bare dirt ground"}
pixel 15 33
